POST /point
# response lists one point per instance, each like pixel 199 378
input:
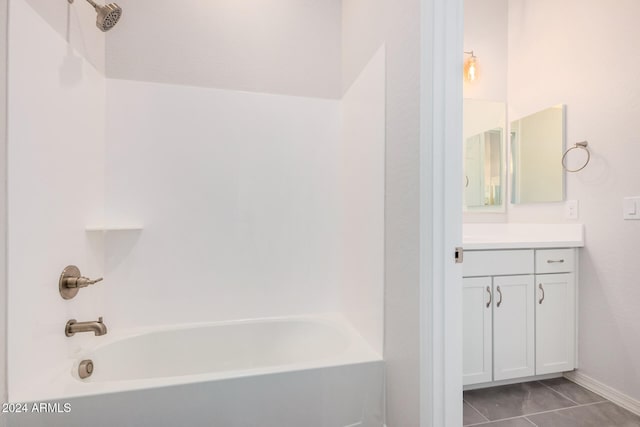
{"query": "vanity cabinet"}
pixel 519 313
pixel 513 328
pixel 477 330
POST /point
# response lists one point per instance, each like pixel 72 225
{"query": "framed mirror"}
pixel 484 155
pixel 537 143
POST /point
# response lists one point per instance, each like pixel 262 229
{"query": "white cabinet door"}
pixel 555 323
pixel 477 345
pixel 513 327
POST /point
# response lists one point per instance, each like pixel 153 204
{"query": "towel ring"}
pixel 581 145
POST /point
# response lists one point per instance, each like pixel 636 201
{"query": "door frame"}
pixel 441 213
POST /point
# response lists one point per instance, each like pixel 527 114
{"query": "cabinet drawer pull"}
pixel 490 296
pixel 499 292
pixel 542 297
pixel 555 261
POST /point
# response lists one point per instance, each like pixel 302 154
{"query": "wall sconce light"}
pixel 471 68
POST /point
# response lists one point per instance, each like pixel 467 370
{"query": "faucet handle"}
pixel 82 282
pixel 71 281
pixel 79 282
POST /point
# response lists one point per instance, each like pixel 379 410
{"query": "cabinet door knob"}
pixel 542 297
pixel 500 293
pixel 490 296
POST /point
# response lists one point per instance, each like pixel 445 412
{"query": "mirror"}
pixel 537 144
pixel 484 155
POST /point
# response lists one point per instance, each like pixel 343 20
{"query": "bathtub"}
pixel 294 371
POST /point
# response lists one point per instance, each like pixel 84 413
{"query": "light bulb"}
pixel 471 69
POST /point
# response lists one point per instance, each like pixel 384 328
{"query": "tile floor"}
pixel 551 403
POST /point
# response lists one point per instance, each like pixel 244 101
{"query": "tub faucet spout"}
pixel 73 326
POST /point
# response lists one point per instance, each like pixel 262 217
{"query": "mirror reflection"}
pixel 537 144
pixel 484 154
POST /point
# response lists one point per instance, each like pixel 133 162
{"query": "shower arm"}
pixel 91 2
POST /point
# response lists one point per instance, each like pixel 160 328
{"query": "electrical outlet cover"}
pixel 571 209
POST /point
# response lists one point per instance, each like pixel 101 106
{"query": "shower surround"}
pixel 195 204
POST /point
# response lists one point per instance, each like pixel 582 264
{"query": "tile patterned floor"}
pixel 551 403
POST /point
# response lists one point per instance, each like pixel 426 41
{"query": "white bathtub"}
pixel 225 350
pixel 296 371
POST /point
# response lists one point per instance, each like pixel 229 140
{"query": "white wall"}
pixel 76 23
pixel 589 62
pixel 280 46
pixel 237 193
pixel 3 201
pixel 485 32
pixel 55 187
pixel 363 32
pixel 402 213
pixel 362 202
pixel 482 116
pixel 252 205
pixel 367 24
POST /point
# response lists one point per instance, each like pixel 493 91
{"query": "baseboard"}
pixel 617 397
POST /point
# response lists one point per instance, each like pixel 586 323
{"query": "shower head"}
pixel 108 15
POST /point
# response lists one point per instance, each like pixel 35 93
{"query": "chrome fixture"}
pixel 71 281
pixel 73 326
pixel 108 15
pixel 577 146
pixel 85 369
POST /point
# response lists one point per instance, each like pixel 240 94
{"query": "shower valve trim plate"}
pixel 71 281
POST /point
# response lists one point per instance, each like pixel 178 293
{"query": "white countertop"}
pixel 521 236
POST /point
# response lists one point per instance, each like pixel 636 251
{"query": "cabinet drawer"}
pixel 555 261
pixel 497 263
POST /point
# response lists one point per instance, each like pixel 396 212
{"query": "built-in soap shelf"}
pixel 112 228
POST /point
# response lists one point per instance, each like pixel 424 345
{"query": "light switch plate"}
pixel 631 208
pixel 571 209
